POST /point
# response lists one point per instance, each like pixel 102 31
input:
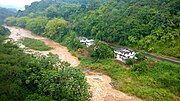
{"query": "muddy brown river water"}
pixel 99 83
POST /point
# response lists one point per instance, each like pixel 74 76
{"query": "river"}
pixel 99 83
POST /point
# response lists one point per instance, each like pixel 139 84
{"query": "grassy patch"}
pixel 148 80
pixel 35 44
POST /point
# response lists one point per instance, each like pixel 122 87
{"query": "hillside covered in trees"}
pixel 66 9
pixel 52 18
pixel 152 25
pixel 6 12
pixel 144 24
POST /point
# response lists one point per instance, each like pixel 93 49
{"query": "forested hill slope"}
pixel 67 9
pixel 153 25
pixel 4 13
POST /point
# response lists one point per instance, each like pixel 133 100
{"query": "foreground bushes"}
pixel 4 31
pixel 31 78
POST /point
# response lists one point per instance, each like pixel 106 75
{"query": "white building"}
pixel 87 42
pixel 123 53
pixel 82 39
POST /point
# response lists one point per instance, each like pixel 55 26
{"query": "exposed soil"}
pixel 102 90
pixel 99 83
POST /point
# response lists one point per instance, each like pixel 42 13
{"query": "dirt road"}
pixel 99 83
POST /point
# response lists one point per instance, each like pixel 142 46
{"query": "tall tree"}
pixel 57 28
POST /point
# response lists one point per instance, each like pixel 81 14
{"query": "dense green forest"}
pixel 52 18
pixel 67 9
pixel 5 12
pixel 4 31
pixel 25 77
pixel 152 25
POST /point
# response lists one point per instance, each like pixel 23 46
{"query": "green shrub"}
pixel 35 44
pixel 37 97
pixel 100 50
pixel 140 56
pixel 71 41
pixel 129 61
pixel 4 31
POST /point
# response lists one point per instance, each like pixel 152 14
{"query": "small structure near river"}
pixel 122 54
pixel 86 41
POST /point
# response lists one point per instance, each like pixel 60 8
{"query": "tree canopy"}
pixel 4 31
pixel 6 12
pixel 101 50
pixel 152 25
pixel 144 24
